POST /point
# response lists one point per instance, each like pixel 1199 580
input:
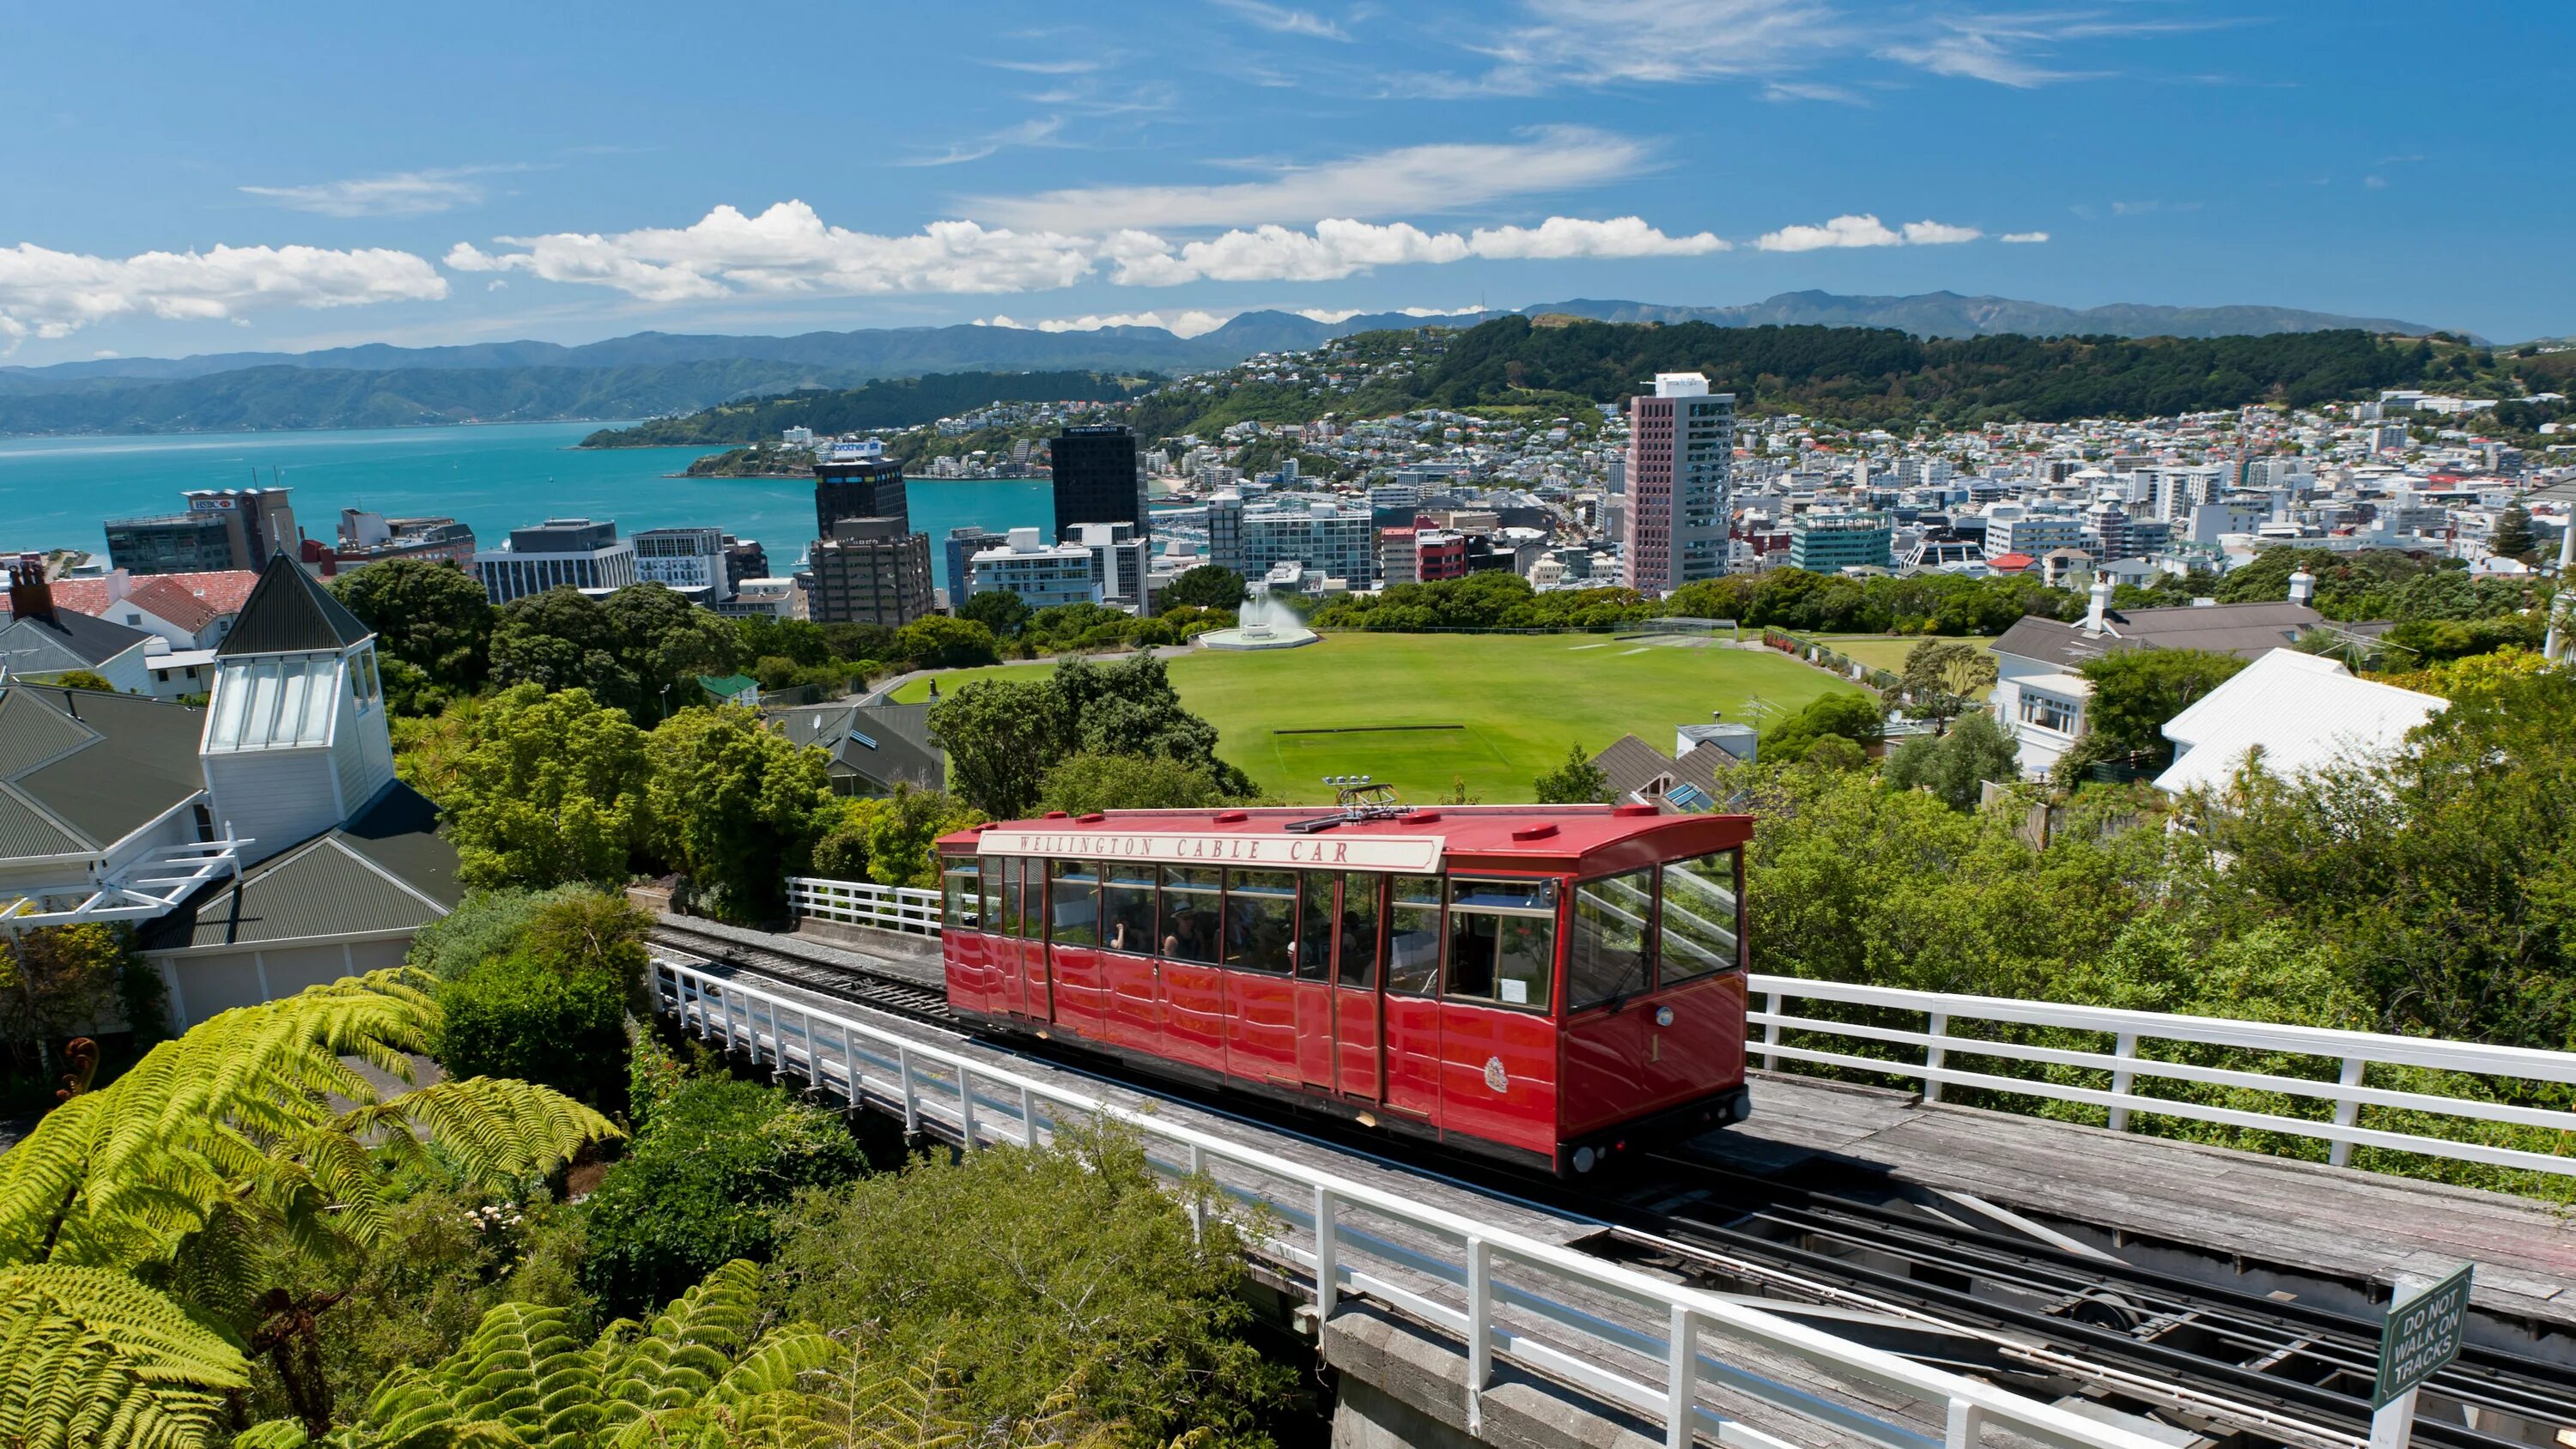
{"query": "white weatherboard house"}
pixel 2293 714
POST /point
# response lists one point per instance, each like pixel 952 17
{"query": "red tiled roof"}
pixel 166 599
pixel 217 593
pixel 2009 562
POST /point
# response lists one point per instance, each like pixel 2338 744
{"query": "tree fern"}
pixel 92 1358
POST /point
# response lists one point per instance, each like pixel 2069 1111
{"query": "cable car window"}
pixel 1315 926
pixel 1698 922
pixel 1073 903
pixel 1190 898
pixel 1260 919
pixel 964 896
pixel 1361 940
pixel 1502 941
pixel 1127 905
pixel 992 892
pixel 1010 895
pixel 1608 950
pixel 1413 936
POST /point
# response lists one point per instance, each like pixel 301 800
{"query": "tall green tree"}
pixel 427 613
pixel 544 788
pixel 2513 537
pixel 1576 781
pixel 2135 691
pixel 936 641
pixel 1000 610
pixel 1000 736
pixel 1080 784
pixel 1208 586
pixel 1954 767
pixel 1849 714
pixel 1943 678
pixel 736 804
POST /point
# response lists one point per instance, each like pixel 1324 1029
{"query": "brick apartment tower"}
pixel 1681 446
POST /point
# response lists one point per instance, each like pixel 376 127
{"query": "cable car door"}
pixel 1313 984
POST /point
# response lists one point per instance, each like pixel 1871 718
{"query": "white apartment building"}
pixel 686 559
pixel 1681 446
pixel 575 553
pixel 1331 541
pixel 2035 534
pixel 1121 562
pixel 1043 574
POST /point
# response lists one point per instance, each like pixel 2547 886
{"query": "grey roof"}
pixel 2245 630
pixel 289 612
pixel 1634 766
pixel 66 641
pixel 387 870
pixel 881 744
pixel 81 770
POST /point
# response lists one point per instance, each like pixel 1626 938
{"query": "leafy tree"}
pixel 2513 537
pixel 1000 736
pixel 546 788
pixel 802 641
pixel 1944 678
pixel 737 805
pixel 700 1185
pixel 855 642
pixel 1853 716
pixel 226 1164
pixel 1833 752
pixel 83 679
pixel 2475 675
pixel 1080 784
pixel 2136 690
pixel 427 613
pixel 936 641
pixel 1955 766
pixel 58 982
pixel 1026 1270
pixel 1577 781
pixel 892 840
pixel 1000 610
pixel 1208 586
pixel 524 1017
pixel 624 650
pixel 485 925
pixel 663 639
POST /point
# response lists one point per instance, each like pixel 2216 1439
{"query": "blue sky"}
pixel 180 179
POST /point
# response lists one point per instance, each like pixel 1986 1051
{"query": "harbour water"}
pixel 56 492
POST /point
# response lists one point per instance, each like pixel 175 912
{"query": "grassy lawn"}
pixel 1497 710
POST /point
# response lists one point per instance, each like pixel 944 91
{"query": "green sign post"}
pixel 2422 1334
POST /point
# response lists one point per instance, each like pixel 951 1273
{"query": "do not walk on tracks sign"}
pixel 2421 1336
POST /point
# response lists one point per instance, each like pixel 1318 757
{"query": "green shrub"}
pixel 1024 1271
pixel 487 924
pixel 701 1184
pixel 524 1017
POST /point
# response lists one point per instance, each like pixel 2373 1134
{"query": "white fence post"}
pixel 1681 1379
pixel 1327 1253
pixel 1935 1054
pixel 911 1091
pixel 1198 1198
pixel 1965 1427
pixel 1771 1031
pixel 2348 1111
pixel 1028 1120
pixel 2122 1080
pixel 966 1106
pixel 1480 1330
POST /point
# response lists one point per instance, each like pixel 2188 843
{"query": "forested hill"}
pixel 886 403
pixel 1858 375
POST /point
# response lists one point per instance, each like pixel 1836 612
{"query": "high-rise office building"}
pixel 690 560
pixel 1681 447
pixel 870 571
pixel 257 521
pixel 857 480
pixel 560 553
pixel 959 555
pixel 174 543
pixel 1096 479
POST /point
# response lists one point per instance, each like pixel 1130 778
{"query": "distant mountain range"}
pixel 379 385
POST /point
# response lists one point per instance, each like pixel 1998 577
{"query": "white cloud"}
pixel 1864 230
pixel 1035 131
pixel 2023 236
pixel 404 193
pixel 53 294
pixel 1602 42
pixel 1408 179
pixel 1335 316
pixel 788 249
pixel 1284 21
pixel 1566 236
pixel 1180 324
pixel 1974 57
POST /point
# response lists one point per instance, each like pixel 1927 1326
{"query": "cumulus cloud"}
pixel 1864 230
pixel 404 193
pixel 2023 236
pixel 789 249
pixel 1406 179
pixel 1189 323
pixel 53 294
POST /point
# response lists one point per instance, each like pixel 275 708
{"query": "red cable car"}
pixel 1543 984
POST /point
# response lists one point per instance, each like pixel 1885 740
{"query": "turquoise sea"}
pixel 57 492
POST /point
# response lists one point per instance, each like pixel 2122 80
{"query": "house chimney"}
pixel 30 596
pixel 2094 618
pixel 2303 587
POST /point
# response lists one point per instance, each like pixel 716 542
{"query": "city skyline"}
pixel 1177 164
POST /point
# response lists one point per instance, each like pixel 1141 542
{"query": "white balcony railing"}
pixel 1630 1338
pixel 864 903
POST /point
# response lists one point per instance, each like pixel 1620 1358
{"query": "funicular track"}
pixel 2230 1367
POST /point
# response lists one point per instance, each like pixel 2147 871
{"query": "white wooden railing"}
pixel 864 903
pixel 1633 1339
pixel 1940 1043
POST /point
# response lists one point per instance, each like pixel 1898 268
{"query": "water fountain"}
pixel 1263 622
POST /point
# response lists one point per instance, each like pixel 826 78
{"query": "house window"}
pixel 2049 714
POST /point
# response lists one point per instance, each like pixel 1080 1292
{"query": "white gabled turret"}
pixel 295 741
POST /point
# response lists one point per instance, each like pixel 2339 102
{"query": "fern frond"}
pixel 688 1348
pixel 90 1357
pixel 499 1130
pixel 273 1434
